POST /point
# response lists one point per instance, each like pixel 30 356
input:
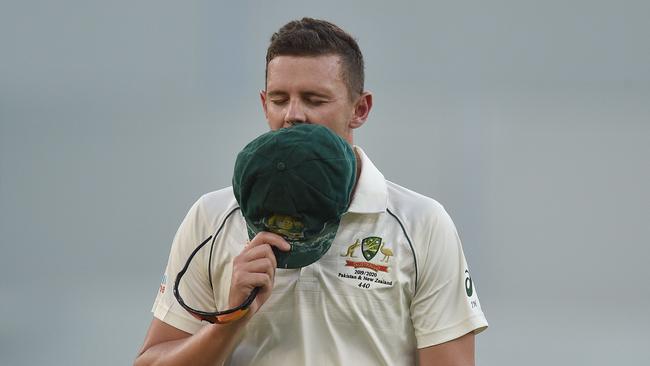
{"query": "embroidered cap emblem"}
pixel 287 226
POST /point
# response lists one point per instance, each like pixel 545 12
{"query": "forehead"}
pixel 305 72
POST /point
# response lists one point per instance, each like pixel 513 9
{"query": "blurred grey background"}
pixel 528 120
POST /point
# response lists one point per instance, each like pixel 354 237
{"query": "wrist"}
pixel 231 328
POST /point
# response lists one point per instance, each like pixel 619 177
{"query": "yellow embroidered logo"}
pixel 287 226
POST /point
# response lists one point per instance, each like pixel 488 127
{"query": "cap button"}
pixel 281 166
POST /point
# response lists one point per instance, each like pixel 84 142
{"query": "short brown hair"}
pixel 314 37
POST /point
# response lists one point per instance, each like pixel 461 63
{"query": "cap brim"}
pixel 303 252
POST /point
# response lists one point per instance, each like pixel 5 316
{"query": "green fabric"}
pixel 296 182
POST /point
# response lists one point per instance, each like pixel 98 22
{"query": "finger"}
pixel 252 280
pixel 265 237
pixel 258 252
pixel 243 285
pixel 262 265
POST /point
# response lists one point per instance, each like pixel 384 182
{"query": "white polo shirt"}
pixel 356 305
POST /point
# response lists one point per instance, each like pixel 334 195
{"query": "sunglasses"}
pixel 219 317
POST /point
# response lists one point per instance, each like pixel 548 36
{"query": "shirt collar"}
pixel 371 193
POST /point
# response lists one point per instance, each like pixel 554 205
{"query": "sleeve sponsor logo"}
pixel 469 286
pixel 469 290
pixel 163 283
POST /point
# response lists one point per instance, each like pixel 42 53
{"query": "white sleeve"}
pixel 445 305
pixel 194 287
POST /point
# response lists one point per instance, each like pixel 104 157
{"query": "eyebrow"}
pixel 315 94
pixel 276 93
pixel 307 94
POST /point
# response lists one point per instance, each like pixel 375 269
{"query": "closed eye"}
pixel 279 101
pixel 316 102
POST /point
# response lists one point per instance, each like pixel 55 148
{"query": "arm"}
pixel 212 344
pixel 166 345
pixel 457 352
pixel 446 304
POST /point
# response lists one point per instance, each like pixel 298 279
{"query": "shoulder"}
pixel 213 206
pixel 423 219
pixel 217 200
pixel 413 206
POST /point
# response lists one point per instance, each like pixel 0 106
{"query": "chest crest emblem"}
pixel 370 247
pixel 371 271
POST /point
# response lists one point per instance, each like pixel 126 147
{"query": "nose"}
pixel 295 113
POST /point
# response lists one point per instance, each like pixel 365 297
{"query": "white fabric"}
pixel 337 310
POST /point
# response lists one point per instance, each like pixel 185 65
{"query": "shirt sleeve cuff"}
pixel 177 321
pixel 476 324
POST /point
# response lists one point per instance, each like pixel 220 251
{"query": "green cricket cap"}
pixel 296 182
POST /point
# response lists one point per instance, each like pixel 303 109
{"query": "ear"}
pixel 361 110
pixel 263 100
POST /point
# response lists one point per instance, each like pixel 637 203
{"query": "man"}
pixel 394 288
